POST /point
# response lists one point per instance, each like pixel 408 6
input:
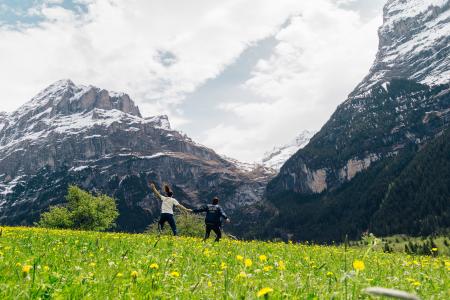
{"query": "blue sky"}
pixel 239 76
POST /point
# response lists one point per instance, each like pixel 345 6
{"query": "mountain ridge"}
pixel 96 139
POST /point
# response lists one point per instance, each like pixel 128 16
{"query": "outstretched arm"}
pixel 155 191
pixel 201 209
pixel 224 215
pixel 184 208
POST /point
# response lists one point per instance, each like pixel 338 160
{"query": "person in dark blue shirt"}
pixel 213 219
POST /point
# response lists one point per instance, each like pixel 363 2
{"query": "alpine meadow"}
pixel 245 149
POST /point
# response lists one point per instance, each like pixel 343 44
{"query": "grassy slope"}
pixel 71 264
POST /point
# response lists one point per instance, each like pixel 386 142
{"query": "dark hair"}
pixel 215 201
pixel 168 191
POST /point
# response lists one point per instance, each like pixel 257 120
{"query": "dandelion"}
pixel 209 284
pixel 223 266
pixel 175 274
pixel 267 268
pixel 248 262
pixel 264 292
pixel 416 283
pixel 26 269
pixel 330 274
pixel 281 265
pixel 239 257
pixel 154 266
pixel 434 249
pixel 262 258
pixel 134 275
pixel 358 265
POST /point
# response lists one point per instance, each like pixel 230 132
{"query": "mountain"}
pixel 341 182
pixel 97 139
pixel 275 158
pixel 413 44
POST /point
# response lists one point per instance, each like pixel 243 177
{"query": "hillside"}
pixel 98 140
pixel 38 263
pixel 350 176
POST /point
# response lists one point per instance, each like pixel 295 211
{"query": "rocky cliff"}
pixel 97 139
pixel 397 110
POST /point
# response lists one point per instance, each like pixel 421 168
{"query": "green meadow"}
pixel 40 263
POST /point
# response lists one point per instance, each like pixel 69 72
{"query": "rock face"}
pixel 413 43
pixel 403 104
pixel 97 139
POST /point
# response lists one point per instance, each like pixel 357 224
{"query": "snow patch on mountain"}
pixel 279 155
pixel 414 44
pixel 46 114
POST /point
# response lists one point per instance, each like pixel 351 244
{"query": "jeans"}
pixel 170 219
pixel 214 227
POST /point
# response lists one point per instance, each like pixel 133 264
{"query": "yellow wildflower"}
pixel 46 268
pixel 330 274
pixel 358 265
pixel 119 275
pixel 434 249
pixel 223 266
pixel 416 283
pixel 134 275
pixel 26 269
pixel 248 262
pixel 239 257
pixel 281 265
pixel 175 274
pixel 264 291
pixel 209 284
pixel 267 268
pixel 263 258
pixel 154 266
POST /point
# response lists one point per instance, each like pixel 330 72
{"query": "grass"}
pixel 40 263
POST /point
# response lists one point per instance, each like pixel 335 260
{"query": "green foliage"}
pixel 84 211
pixel 187 225
pixel 57 217
pixel 405 194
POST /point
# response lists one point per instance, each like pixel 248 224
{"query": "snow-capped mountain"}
pixel 384 136
pixel 279 155
pixel 413 43
pixel 97 139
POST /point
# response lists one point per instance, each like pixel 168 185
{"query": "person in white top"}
pixel 168 202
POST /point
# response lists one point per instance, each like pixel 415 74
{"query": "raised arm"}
pixel 155 191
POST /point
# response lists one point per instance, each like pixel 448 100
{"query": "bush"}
pixel 187 225
pixel 57 217
pixel 84 211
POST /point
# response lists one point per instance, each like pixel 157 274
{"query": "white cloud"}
pixel 159 51
pixel 116 45
pixel 320 57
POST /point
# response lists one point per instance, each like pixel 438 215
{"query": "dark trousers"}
pixel 170 219
pixel 217 230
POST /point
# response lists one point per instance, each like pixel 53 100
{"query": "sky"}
pixel 238 76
